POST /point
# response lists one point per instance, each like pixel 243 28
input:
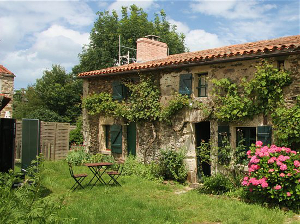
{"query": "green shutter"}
pixel 223 132
pixel 116 138
pixel 131 138
pixel 30 141
pixel 185 84
pixel 118 90
pixel 264 134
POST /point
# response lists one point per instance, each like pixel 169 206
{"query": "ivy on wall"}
pixel 262 94
pixel 143 104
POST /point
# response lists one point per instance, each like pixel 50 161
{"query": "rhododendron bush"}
pixel 274 175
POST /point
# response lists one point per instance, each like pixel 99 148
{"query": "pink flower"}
pixel 281 158
pixel 283 167
pixel 248 153
pixel 250 189
pixel 296 163
pixel 289 174
pixel 279 163
pixel 264 185
pixel 288 150
pixel 258 144
pixel 299 180
pixel 271 161
pixel 282 175
pixel 245 183
pixel 246 178
pixel 271 170
pixel 254 167
pixel 277 187
pixel 294 152
pixel 288 194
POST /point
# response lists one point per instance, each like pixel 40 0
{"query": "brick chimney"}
pixel 149 48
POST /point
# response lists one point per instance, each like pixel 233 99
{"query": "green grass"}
pixel 142 201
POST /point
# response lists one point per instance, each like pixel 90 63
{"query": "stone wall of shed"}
pixel 7 88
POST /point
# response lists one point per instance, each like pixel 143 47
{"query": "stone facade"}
pixel 188 123
pixel 7 88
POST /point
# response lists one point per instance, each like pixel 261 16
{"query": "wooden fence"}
pixel 54 139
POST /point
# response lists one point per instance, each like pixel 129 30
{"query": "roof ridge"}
pixel 186 57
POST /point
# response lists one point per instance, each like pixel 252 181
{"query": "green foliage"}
pixel 102 51
pixel 262 94
pixel 143 103
pixel 177 103
pixel 28 203
pixel 76 136
pixel 55 97
pixel 217 184
pixel 172 166
pixel 134 167
pixel 78 157
pixel 203 152
pixel 286 122
pixel 224 151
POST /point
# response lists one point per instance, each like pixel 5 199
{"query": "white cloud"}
pixel 56 45
pixel 232 9
pixel 144 4
pixel 198 39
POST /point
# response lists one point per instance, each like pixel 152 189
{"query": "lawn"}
pixel 142 201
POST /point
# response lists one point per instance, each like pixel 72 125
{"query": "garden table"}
pixel 96 170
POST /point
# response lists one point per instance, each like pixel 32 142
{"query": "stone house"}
pixel 7 89
pixel 186 73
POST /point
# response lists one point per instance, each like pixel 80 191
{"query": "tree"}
pixel 102 51
pixel 55 97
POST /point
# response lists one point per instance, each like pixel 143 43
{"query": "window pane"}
pixel 203 92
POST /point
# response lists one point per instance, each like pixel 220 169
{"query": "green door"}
pixel 131 138
pixel 30 141
pixel 116 138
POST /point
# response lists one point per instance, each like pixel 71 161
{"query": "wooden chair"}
pixel 77 177
pixel 115 174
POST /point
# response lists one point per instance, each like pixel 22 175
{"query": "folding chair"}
pixel 115 174
pixel 77 177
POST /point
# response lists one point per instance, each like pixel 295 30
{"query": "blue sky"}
pixel 36 34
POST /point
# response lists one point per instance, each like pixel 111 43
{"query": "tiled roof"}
pixel 5 70
pixel 251 49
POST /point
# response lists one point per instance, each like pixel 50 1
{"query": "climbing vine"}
pixel 143 104
pixel 263 94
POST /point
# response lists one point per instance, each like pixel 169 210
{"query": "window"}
pixel 245 136
pixel 119 90
pixel 107 136
pixel 116 138
pixel 280 64
pixel 202 85
pixel 185 84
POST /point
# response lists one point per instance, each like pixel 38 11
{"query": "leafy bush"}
pixel 274 175
pixel 78 157
pixel 27 204
pixel 172 166
pixel 76 136
pixel 133 167
pixel 217 184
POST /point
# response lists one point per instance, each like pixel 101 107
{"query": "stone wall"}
pixel 7 88
pixel 151 137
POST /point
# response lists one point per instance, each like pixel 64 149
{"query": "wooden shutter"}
pixel 185 84
pixel 118 90
pixel 116 138
pixel 264 134
pixel 223 132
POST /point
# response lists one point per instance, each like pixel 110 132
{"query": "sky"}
pixel 34 35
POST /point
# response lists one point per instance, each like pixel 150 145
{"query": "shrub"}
pixel 217 184
pixel 78 157
pixel 172 166
pixel 27 203
pixel 76 136
pixel 274 175
pixel 133 167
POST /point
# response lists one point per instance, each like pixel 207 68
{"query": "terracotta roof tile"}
pixel 5 70
pixel 264 46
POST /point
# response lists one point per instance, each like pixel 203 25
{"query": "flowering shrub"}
pixel 274 175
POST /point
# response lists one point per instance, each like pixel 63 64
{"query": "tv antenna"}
pixel 125 59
